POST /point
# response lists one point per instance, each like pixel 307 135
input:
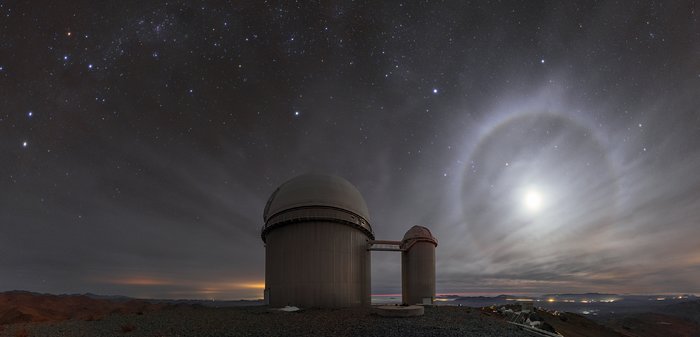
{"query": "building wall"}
pixel 317 264
pixel 418 273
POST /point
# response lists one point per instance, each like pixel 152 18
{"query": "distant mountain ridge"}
pixel 121 298
pixel 589 296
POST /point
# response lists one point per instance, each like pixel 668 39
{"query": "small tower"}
pixel 418 266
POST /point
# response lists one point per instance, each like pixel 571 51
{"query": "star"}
pixel 296 113
pixel 90 66
pixel 30 114
pixel 435 91
pixel 542 61
pixel 25 144
pixel 65 57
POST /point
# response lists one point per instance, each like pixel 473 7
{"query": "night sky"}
pixel 550 147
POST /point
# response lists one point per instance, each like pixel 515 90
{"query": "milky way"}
pixel 551 147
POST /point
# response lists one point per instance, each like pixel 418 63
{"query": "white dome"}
pixel 419 233
pixel 316 190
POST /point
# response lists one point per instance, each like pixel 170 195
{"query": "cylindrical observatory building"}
pixel 316 235
pixel 418 266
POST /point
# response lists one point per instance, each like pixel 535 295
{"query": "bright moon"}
pixel 533 200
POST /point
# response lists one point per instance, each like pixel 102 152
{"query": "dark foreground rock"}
pixel 261 321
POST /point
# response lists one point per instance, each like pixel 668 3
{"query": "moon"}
pixel 533 200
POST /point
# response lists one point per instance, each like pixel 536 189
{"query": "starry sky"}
pixel 549 146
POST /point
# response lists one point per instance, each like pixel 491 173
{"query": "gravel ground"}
pixel 261 321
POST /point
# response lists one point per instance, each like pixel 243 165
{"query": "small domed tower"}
pixel 418 266
pixel 316 235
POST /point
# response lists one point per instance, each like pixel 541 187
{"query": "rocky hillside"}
pixel 24 307
pixel 653 325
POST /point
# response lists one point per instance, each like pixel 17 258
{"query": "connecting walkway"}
pixel 385 246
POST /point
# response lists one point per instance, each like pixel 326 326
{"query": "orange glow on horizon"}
pixel 221 289
pixel 252 285
pixel 176 287
pixel 207 286
pixel 140 281
pixel 212 288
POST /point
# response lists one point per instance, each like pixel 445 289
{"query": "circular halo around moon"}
pixel 537 178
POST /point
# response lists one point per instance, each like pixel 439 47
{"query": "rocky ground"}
pixel 261 321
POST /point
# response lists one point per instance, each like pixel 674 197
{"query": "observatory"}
pixel 316 233
pixel 318 240
pixel 418 266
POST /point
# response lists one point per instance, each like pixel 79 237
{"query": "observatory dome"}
pixel 419 233
pixel 316 236
pixel 316 190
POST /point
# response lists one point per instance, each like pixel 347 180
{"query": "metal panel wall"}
pixel 317 264
pixel 418 273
